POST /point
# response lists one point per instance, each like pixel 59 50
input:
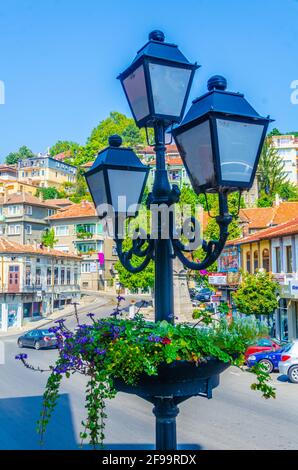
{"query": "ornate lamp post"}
pixel 219 140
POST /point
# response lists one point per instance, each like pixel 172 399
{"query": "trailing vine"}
pixel 117 348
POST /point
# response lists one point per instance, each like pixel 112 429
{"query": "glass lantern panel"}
pixel 126 189
pixel 169 88
pixel 98 191
pixel 238 144
pixel 196 150
pixel 135 87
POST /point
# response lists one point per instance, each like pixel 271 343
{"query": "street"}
pixel 236 417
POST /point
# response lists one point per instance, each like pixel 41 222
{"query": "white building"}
pixel 287 148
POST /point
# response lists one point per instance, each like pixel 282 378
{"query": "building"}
pixel 78 230
pixel 11 186
pixel 45 171
pixel 23 217
pixel 259 218
pixel 8 172
pixel 62 203
pixel 287 148
pixel 34 282
pixel 274 250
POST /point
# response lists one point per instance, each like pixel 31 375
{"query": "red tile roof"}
pixel 7 246
pixel 26 198
pixel 83 209
pixel 282 230
pixel 262 217
pixel 63 155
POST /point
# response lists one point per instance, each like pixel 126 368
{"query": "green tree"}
pixel 64 146
pixel 288 191
pixel 48 238
pixel 23 153
pixel 48 193
pixel 274 131
pixel 116 123
pixel 270 169
pixel 257 294
pixel 265 200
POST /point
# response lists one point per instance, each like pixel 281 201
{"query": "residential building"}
pixel 62 203
pixel 23 217
pixel 274 250
pixel 287 148
pixel 11 186
pixel 78 230
pixel 45 171
pixel 8 172
pixel 34 282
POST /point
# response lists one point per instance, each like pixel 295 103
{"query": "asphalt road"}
pixel 236 417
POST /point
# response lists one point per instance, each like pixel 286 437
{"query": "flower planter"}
pixel 175 383
pixel 178 379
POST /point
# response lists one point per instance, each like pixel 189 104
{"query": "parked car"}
pixel 269 359
pixel 204 295
pixel 263 344
pixel 288 364
pixel 38 339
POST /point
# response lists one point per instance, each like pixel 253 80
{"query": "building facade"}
pixel 34 282
pixel 45 171
pixel 287 148
pixel 23 217
pixel 78 230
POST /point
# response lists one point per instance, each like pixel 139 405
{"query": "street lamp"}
pixel 114 166
pixel 158 82
pixel 220 141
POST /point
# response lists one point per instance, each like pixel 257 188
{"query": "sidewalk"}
pixel 66 312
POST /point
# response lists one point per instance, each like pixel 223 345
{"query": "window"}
pixel 289 259
pixel 277 259
pixel 56 276
pixel 61 230
pixel 38 277
pixel 76 276
pixel 28 229
pixel 13 210
pixel 51 212
pixel 2 229
pixel 248 262
pixel 256 261
pixel 49 276
pixel 14 230
pixel 266 261
pixel 28 210
pixel 28 275
pixel 85 268
pixel 62 274
pixel 68 276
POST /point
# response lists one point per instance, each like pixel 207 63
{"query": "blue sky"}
pixel 59 59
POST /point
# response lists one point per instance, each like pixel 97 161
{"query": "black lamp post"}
pixel 219 140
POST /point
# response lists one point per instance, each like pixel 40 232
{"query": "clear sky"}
pixel 59 59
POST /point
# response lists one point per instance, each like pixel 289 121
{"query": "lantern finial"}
pixel 157 35
pixel 115 140
pixel 217 82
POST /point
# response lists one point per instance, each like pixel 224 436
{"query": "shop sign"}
pixel 294 288
pixel 217 279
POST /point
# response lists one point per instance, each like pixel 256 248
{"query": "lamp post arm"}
pixel 212 248
pixel 137 250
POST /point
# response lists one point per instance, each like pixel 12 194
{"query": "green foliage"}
pixel 48 193
pixel 274 131
pixel 23 153
pixel 114 348
pixel 270 169
pixel 48 238
pixel 64 146
pixel 265 200
pixel 288 191
pixel 257 294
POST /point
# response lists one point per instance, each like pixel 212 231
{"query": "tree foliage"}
pixel 257 294
pixel 271 173
pixel 23 153
pixel 64 146
pixel 48 193
pixel 48 238
pixel 140 280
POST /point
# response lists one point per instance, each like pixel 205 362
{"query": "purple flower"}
pixel 60 322
pixel 120 298
pixel 90 315
pixel 54 329
pixel 100 352
pixel 83 340
pixel 21 357
pixel 154 339
pixel 61 369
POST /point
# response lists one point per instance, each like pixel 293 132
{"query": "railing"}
pixel 43 289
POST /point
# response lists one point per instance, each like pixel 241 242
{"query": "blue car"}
pixel 269 359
